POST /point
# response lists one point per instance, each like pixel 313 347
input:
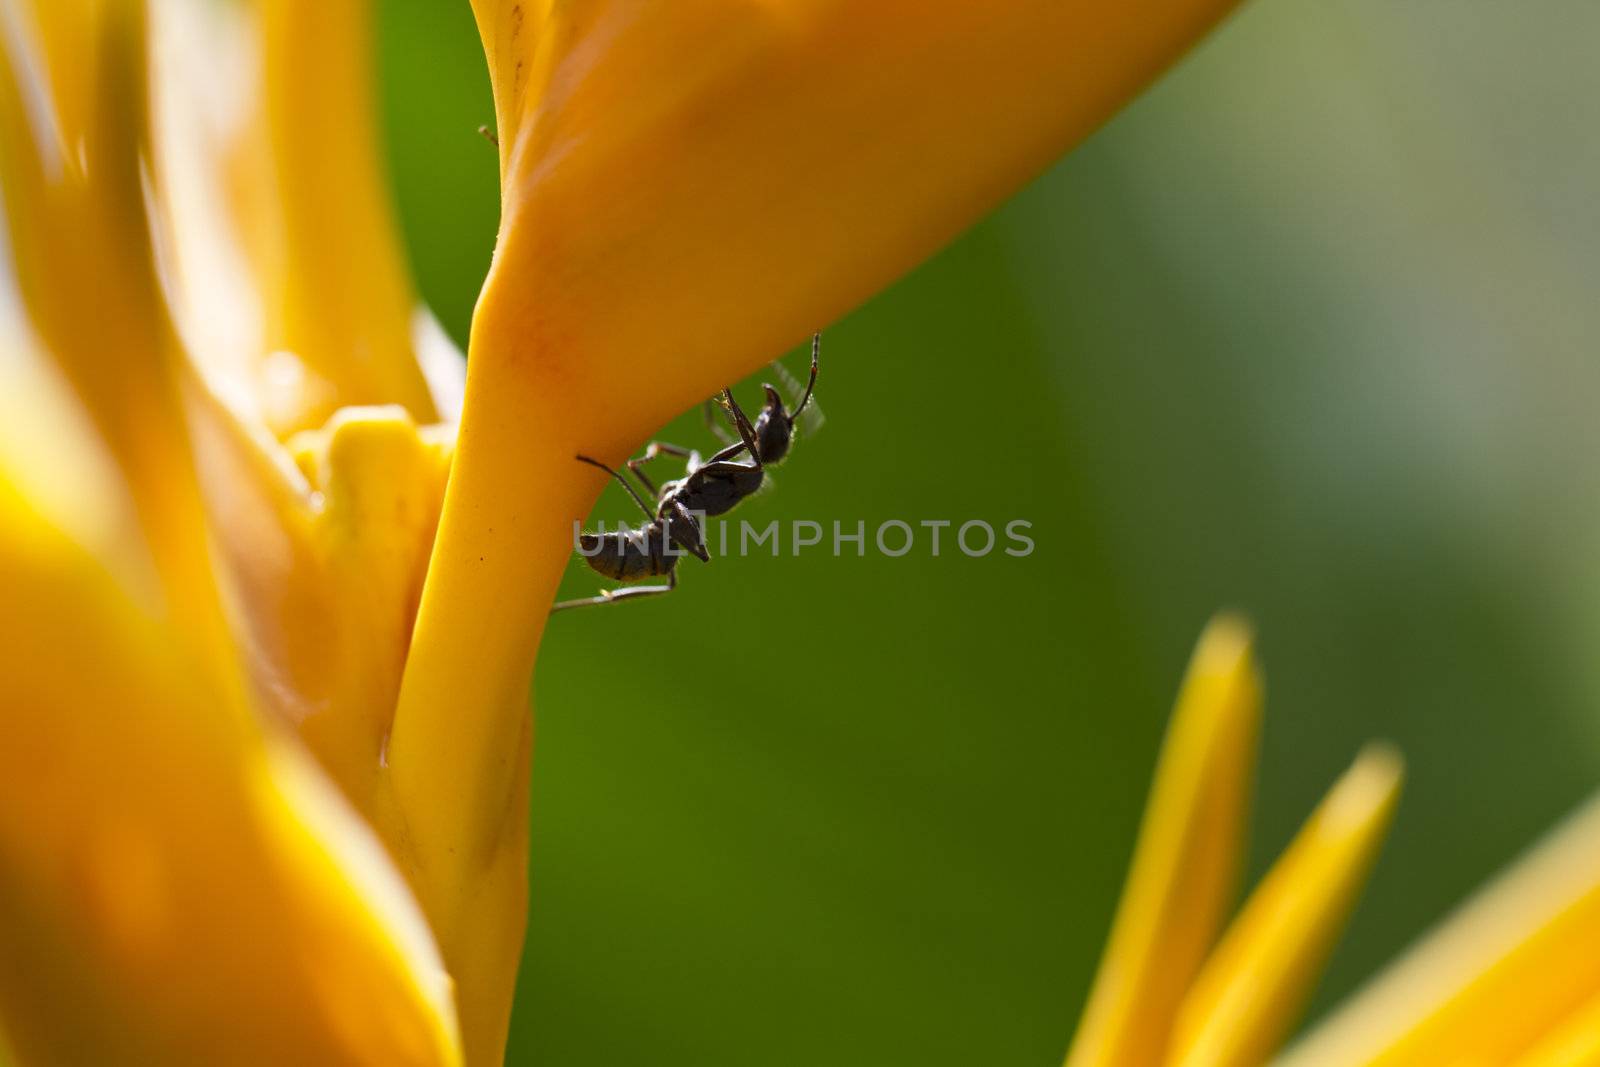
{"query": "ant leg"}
pixel 659 448
pixel 747 433
pixel 625 484
pixel 616 596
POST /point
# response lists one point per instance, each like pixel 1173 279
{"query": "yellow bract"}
pixel 1256 981
pixel 285 263
pixel 1509 979
pixel 1168 993
pixel 179 882
pixel 1187 859
pixel 176 885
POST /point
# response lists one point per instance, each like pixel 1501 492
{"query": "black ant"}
pixel 712 487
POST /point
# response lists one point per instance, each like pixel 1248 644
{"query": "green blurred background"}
pixel 1308 331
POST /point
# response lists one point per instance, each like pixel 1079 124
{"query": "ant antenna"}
pixel 637 499
pixel 489 135
pixel 816 346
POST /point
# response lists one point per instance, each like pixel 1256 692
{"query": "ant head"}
pixel 774 428
pixel 774 406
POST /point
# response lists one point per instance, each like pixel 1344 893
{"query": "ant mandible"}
pixel 711 487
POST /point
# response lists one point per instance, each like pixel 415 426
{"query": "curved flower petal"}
pixel 287 276
pixel 178 883
pixel 1256 982
pixel 1186 861
pixel 174 886
pixel 66 113
pixel 326 622
pixel 690 188
pixel 1509 970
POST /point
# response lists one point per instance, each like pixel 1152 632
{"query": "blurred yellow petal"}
pixel 173 886
pixel 284 257
pixel 75 482
pixel 327 542
pixel 1494 980
pixel 328 539
pixel 178 882
pixel 687 189
pixel 1186 861
pixel 1575 1043
pixel 281 257
pixel 339 296
pixel 1255 984
pixel 70 122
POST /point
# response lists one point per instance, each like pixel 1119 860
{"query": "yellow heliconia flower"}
pixel 265 752
pixel 1511 980
pixel 1169 991
pixel 274 568
pixel 179 881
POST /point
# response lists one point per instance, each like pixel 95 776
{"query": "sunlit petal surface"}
pixel 162 863
pixel 1253 987
pixel 175 888
pixel 1514 972
pixel 1186 863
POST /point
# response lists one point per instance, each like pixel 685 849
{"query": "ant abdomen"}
pixel 626 555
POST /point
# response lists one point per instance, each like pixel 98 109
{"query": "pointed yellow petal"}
pixel 1186 861
pixel 1256 982
pixel 1493 979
